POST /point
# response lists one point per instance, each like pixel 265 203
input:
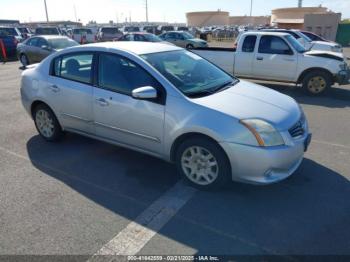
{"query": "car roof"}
pixel 48 37
pixel 265 33
pixel 138 48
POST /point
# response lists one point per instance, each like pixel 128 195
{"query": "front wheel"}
pixel 317 83
pixel 203 163
pixel 189 46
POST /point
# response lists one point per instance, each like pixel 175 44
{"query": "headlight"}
pixel 265 133
pixel 343 66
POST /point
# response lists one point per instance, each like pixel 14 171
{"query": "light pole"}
pixel 251 7
pixel 47 15
pixel 146 11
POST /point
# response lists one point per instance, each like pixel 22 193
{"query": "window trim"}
pixel 290 48
pixel 160 88
pixel 52 66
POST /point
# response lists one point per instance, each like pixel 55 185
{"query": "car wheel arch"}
pixel 183 137
pixel 307 71
pixel 36 103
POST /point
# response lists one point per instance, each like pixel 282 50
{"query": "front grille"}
pixel 298 129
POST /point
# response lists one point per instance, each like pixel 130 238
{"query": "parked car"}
pixel 307 42
pixel 130 29
pixel 168 102
pixel 25 32
pixel 183 39
pixel 165 28
pixel 36 48
pixel 183 28
pixel 11 31
pixel 152 29
pixel 83 35
pixel 142 37
pixel 10 44
pixel 47 31
pixel 314 37
pixel 108 34
pixel 280 57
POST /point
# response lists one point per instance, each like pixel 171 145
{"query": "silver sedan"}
pixel 170 103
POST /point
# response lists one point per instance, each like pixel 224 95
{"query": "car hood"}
pixel 246 100
pixel 332 44
pixel 326 54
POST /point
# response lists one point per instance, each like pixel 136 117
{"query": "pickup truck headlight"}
pixel 343 66
pixel 265 134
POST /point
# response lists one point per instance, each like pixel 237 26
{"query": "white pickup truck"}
pixel 280 57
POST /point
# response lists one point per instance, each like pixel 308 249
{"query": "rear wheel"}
pixel 24 59
pixel 317 82
pixel 203 163
pixel 46 123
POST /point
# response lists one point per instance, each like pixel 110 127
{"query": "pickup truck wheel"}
pixel 316 83
pixel 203 163
pixel 24 60
pixel 46 123
pixel 189 46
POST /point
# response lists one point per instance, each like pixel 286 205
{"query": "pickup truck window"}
pixel 249 44
pixel 274 45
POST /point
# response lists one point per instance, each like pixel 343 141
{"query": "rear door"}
pixel 245 56
pixel 274 60
pixel 117 115
pixel 71 90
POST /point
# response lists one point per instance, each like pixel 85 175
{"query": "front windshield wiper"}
pixel 224 86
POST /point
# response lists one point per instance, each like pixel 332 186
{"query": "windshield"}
pixel 47 31
pixel 23 30
pixel 187 35
pixel 7 31
pixel 110 30
pixel 295 43
pixel 82 31
pixel 152 38
pixel 191 74
pixel 132 29
pixel 306 38
pixel 61 43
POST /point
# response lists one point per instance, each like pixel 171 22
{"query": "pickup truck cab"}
pixel 280 57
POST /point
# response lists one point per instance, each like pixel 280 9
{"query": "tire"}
pixel 189 46
pixel 47 124
pixel 317 83
pixel 196 170
pixel 24 59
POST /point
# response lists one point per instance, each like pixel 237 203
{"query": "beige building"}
pixel 209 18
pixel 219 17
pixel 315 19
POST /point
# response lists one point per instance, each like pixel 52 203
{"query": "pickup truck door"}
pixel 274 59
pixel 245 56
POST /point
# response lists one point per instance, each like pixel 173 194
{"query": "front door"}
pixel 275 60
pixel 117 115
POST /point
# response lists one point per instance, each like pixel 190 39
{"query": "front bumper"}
pixel 259 165
pixel 343 77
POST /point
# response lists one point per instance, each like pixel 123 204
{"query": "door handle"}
pixel 55 88
pixel 259 58
pixel 289 59
pixel 102 102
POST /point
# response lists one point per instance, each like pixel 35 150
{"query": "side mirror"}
pixel 143 93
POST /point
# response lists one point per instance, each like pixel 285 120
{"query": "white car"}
pixel 280 57
pixel 170 103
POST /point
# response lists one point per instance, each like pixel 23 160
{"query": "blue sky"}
pixel 159 10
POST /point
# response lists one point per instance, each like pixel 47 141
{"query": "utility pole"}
pixel 251 7
pixel 300 3
pixel 75 13
pixel 146 11
pixel 47 15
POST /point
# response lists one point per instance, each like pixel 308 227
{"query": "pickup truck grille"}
pixel 298 129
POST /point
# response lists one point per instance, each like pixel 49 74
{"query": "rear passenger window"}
pixel 249 44
pixel 75 67
pixel 274 45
